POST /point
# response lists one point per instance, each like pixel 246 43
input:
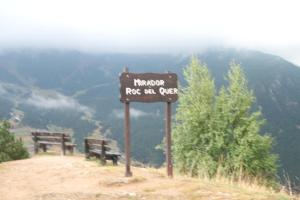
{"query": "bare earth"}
pixel 73 178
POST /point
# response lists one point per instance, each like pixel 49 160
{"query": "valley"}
pixel 79 92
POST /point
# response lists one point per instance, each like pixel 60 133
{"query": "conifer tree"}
pixel 248 153
pixel 219 132
pixel 10 147
pixel 192 138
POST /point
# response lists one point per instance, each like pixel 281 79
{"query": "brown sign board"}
pixel 148 87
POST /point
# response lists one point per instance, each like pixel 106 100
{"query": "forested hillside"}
pixel 80 91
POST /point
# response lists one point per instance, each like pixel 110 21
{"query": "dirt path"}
pixel 74 178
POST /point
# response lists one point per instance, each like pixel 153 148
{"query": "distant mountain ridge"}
pixel 78 90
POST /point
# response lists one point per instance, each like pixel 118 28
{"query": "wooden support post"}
pixel 128 172
pixel 86 148
pixel 36 146
pixel 168 140
pixel 44 146
pixel 71 149
pixel 115 160
pixel 63 146
pixel 103 160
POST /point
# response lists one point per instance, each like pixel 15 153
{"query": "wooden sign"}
pixel 148 87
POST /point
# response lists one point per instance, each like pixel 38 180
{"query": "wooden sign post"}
pixel 128 172
pixel 168 140
pixel 148 87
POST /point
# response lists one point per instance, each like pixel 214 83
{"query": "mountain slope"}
pixel 70 89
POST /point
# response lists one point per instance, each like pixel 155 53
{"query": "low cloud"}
pixel 52 24
pixel 134 113
pixel 2 90
pixel 55 101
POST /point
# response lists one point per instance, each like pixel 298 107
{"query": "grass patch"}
pixel 148 190
pixel 223 188
pixel 122 181
pixel 136 180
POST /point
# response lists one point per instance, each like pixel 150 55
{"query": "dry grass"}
pixel 49 177
pixel 121 181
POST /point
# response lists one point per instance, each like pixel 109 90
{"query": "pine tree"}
pixel 192 138
pixel 10 147
pixel 219 132
pixel 247 152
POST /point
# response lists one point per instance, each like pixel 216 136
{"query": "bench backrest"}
pixel 96 144
pixel 51 137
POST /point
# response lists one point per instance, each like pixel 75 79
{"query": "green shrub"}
pixel 10 147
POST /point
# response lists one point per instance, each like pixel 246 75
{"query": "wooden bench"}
pixel 99 148
pixel 44 139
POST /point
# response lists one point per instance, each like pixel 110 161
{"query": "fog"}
pixel 135 26
pixel 134 113
pixel 2 90
pixel 55 101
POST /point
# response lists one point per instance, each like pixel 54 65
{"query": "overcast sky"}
pixel 152 26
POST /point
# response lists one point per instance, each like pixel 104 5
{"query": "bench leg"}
pixel 71 150
pixel 103 161
pixel 36 148
pixel 63 153
pixel 44 147
pixel 63 145
pixel 115 160
pixel 35 145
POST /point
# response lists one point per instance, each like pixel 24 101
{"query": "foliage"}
pixel 10 147
pixel 217 133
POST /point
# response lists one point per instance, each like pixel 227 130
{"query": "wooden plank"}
pixel 46 137
pixel 112 154
pixel 98 146
pixel 52 139
pixel 148 87
pixel 91 141
pixel 56 143
pixel 37 133
pixel 47 142
pixel 96 151
pixel 70 144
